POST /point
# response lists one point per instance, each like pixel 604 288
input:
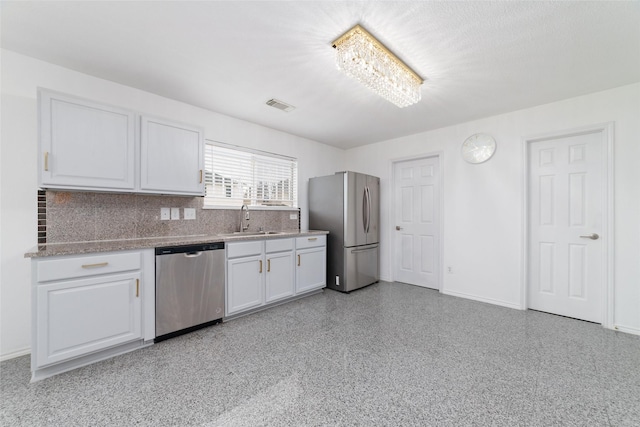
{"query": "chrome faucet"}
pixel 244 218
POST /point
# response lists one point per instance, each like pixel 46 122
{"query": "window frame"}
pixel 258 153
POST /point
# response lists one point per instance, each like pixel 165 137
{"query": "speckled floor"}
pixel 389 354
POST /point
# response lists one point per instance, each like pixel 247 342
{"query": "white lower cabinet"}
pixel 311 271
pixel 279 278
pixel 89 307
pixel 263 272
pixel 244 284
pixel 77 317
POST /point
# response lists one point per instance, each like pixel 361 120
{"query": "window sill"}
pixel 253 208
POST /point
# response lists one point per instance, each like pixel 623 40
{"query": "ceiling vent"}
pixel 280 105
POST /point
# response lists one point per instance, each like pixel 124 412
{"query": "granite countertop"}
pixel 56 249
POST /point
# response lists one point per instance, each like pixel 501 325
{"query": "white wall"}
pixel 21 76
pixel 483 204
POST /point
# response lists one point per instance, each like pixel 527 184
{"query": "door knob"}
pixel 592 236
pixel 398 228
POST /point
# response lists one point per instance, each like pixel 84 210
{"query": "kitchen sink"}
pixel 252 233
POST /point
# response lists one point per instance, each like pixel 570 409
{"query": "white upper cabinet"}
pixel 171 157
pixel 85 145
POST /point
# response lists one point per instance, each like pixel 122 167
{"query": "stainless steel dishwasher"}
pixel 189 288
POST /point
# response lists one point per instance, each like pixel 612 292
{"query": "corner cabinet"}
pixel 85 145
pixel 87 308
pixel 261 273
pixel 172 157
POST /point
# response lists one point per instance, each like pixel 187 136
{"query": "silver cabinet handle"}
pixel 592 236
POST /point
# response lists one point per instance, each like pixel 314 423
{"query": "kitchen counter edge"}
pixel 60 249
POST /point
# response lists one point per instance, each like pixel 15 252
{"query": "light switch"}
pixel 175 213
pixel 165 213
pixel 189 213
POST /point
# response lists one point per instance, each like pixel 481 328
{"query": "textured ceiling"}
pixel 478 58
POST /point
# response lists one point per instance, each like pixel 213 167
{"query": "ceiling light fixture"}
pixel 361 56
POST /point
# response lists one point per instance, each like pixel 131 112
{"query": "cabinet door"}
pixel 244 284
pixel 279 282
pixel 78 317
pixel 311 269
pixel 171 158
pixel 85 145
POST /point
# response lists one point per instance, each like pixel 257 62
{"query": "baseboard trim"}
pixel 627 329
pixel 482 299
pixel 15 354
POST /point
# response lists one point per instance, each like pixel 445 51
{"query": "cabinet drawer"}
pixel 244 249
pixel 279 245
pixel 73 267
pixel 311 241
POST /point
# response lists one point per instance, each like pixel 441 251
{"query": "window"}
pixel 235 176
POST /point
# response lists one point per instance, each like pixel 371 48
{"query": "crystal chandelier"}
pixel 365 59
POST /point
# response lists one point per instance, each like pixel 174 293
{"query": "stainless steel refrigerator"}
pixel 347 205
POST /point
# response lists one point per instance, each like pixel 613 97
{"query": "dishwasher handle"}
pixel 192 250
pixel 192 254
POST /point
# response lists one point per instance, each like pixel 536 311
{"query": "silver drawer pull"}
pixel 311 239
pixel 97 265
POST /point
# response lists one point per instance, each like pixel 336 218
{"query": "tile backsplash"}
pixel 82 217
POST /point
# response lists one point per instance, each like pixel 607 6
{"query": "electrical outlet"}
pixel 189 213
pixel 165 213
pixel 175 213
pixel 293 216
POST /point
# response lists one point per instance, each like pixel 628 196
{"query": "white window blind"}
pixel 235 176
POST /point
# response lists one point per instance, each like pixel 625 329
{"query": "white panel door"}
pixel 82 316
pixel 244 284
pixel 565 226
pixel 279 282
pixel 311 269
pixel 417 222
pixel 85 145
pixel 172 157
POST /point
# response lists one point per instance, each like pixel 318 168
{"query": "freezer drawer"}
pixel 357 268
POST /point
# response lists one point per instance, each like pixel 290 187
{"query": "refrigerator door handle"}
pixel 364 209
pixel 368 207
